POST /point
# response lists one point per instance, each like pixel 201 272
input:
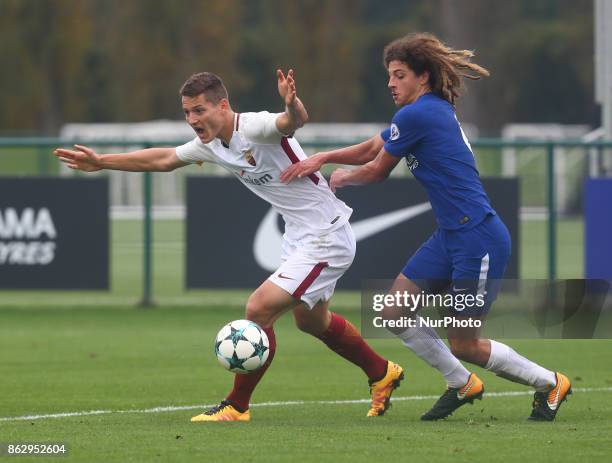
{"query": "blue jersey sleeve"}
pixel 404 133
pixel 385 134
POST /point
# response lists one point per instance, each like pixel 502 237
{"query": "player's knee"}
pixel 255 311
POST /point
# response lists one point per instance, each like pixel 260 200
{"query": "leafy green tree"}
pixel 112 60
pixel 43 46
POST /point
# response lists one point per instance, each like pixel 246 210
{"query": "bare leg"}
pixel 341 336
pixel 424 341
pixel 264 307
pixel 499 358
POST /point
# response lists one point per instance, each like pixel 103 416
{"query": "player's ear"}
pixel 424 78
pixel 224 103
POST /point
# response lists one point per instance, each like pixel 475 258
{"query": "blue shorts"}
pixel 463 262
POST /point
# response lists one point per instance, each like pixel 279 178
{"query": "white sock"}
pixel 427 345
pixel 508 364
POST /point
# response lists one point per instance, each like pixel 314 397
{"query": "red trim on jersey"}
pixel 294 159
pixel 312 276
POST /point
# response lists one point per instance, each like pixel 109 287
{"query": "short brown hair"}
pixel 424 52
pixel 205 83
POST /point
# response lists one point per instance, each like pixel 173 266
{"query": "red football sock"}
pixel 343 338
pixel 244 385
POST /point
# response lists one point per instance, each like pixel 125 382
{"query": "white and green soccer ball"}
pixel 242 346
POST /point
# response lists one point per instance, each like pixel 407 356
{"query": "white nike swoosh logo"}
pixel 463 395
pixel 553 405
pixel 268 238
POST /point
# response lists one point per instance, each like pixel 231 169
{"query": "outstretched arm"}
pixel 151 159
pixel 295 115
pixel 353 155
pixel 374 171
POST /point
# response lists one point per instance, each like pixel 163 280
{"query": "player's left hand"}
pixel 338 179
pixel 286 86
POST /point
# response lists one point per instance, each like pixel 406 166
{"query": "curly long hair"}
pixel 423 52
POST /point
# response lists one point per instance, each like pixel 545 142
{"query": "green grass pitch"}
pixel 126 363
pixel 146 372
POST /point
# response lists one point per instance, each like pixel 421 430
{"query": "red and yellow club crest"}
pixel 249 158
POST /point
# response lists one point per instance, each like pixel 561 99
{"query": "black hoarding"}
pixel 54 233
pixel 233 236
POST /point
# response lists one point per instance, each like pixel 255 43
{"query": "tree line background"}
pixel 123 61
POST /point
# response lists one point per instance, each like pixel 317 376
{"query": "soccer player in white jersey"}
pixel 318 245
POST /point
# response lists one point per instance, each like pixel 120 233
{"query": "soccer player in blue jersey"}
pixel 470 249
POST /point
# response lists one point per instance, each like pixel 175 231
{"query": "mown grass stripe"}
pixel 172 408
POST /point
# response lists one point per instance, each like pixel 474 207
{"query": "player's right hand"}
pixel 338 179
pixel 302 169
pixel 83 158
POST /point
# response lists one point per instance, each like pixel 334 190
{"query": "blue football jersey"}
pixel 438 154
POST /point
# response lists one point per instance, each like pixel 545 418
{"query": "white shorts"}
pixel 312 266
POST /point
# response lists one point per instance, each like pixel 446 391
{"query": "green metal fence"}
pixel 40 162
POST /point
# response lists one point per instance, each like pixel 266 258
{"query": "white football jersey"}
pixel 257 154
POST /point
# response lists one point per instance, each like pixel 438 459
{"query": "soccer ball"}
pixel 242 346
